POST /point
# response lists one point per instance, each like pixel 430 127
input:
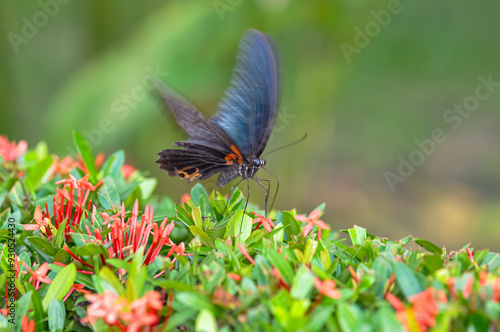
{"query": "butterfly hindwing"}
pixel 194 162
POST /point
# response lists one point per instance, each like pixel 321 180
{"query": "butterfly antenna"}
pixel 277 187
pixel 287 145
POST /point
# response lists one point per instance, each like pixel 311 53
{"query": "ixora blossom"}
pixel 107 306
pixel 266 222
pixel 424 309
pixel 10 151
pixel 117 311
pixel 75 191
pixel 130 236
pixel 39 276
pixel 312 221
pixel 65 166
pixel 327 287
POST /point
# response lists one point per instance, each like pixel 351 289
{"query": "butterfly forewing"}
pixel 248 110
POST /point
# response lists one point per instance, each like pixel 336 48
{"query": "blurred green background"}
pixel 363 82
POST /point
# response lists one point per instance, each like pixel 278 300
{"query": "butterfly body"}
pixel 232 141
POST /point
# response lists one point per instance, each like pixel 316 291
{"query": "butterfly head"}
pixel 249 170
pixel 259 162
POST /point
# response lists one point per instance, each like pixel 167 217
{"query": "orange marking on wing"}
pixel 184 175
pixel 238 158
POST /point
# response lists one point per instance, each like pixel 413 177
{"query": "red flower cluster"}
pixel 424 309
pixel 117 311
pixel 10 151
pixel 74 191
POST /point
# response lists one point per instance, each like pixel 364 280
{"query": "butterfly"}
pixel 232 141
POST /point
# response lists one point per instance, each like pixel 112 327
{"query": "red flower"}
pixel 496 290
pixel 327 287
pixel 245 253
pixel 77 193
pixel 130 236
pixel 425 308
pixel 27 325
pixel 77 288
pixel 10 151
pixel 144 311
pixel 234 276
pixel 185 197
pixel 127 170
pixel 312 221
pixel 107 306
pixel 266 222
pixel 41 222
pixel 225 299
pixel 353 274
pixel 468 287
pixel 64 166
pixel 400 309
pixel 179 250
pixel 38 276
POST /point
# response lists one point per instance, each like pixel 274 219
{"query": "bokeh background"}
pixel 363 101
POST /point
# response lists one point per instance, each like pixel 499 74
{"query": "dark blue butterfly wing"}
pixel 248 111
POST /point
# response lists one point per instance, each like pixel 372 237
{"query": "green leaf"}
pixel 387 320
pixel 357 234
pixel 80 278
pixel 406 280
pixel 147 187
pixel 281 264
pixel 429 246
pixel 36 173
pixel 196 192
pixel 176 285
pixel 205 322
pixel 60 234
pixel 106 274
pixel 242 226
pixel 183 215
pixel 196 213
pixel 56 315
pixel 204 205
pixel 16 194
pixel 292 223
pixel 91 250
pixel 193 300
pixel 108 195
pixel 43 245
pixel 302 284
pixel 204 238
pixel 23 305
pixel 60 286
pixel 348 317
pixel 86 153
pixel 38 312
pixel 309 251
pixel 113 165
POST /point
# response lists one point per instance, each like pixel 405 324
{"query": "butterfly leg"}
pixel 267 189
pixel 277 186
